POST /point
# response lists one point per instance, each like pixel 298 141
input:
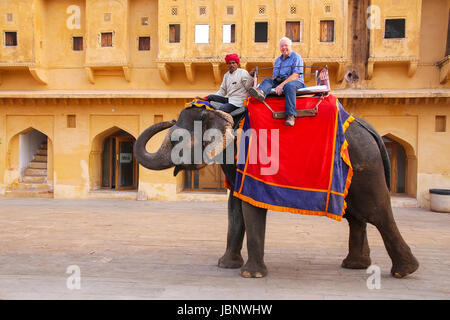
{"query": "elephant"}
pixel 368 198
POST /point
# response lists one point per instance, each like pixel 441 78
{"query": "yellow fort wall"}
pixel 43 80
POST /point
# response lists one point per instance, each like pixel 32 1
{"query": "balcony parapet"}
pixel 120 69
pixel 39 73
pixel 411 61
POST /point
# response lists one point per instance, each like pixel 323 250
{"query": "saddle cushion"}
pixel 308 90
pixel 301 169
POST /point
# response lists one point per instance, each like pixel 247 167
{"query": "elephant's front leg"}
pixel 235 236
pixel 255 227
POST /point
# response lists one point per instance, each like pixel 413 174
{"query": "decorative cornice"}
pixel 391 97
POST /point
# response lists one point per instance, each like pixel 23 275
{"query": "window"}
pixel 107 39
pixel 261 31
pixel 202 33
pixel 144 43
pixel 71 121
pixel 262 10
pixel 77 43
pixel 10 39
pixel 326 31
pixel 202 11
pixel 394 28
pixel 230 10
pixel 440 123
pixel 9 17
pixel 293 9
pixel 157 118
pixel 174 11
pixel 174 33
pixel 229 33
pixel 144 21
pixel 294 31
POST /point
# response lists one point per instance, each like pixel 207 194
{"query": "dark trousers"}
pixel 226 107
pixel 290 90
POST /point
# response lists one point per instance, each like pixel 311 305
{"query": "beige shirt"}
pixel 235 86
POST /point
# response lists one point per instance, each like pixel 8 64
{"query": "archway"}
pixel 113 165
pixel 403 165
pixel 30 161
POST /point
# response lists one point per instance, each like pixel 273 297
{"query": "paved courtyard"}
pixel 126 249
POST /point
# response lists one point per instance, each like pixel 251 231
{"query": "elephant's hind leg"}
pixel 403 261
pixel 358 247
pixel 232 258
pixel 255 227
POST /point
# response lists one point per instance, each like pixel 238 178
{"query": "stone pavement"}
pixel 169 250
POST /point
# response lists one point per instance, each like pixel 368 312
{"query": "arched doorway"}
pixel 33 157
pixel 399 165
pixel 30 164
pixel 119 169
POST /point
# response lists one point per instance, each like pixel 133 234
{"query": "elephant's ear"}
pixel 218 132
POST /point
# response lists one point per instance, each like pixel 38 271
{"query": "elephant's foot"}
pixel 254 270
pixel 229 261
pixel 362 262
pixel 404 269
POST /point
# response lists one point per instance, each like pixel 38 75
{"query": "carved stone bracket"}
pixel 39 74
pixel 127 73
pixel 341 71
pixel 190 71
pixel 164 72
pixel 90 75
pixel 444 72
pixel 412 68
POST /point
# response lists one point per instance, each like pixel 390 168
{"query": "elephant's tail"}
pixel 382 148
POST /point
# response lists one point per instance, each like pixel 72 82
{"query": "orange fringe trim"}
pixel 286 209
pixel 344 156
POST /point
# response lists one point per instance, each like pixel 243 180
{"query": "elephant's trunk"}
pixel 159 160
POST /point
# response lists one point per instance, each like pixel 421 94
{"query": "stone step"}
pixel 34 179
pixel 40 158
pixel 38 164
pixel 42 152
pixel 29 193
pixel 403 202
pixel 32 186
pixel 36 172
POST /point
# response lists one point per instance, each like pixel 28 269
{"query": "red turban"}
pixel 232 57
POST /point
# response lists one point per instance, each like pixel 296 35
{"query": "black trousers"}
pixel 226 107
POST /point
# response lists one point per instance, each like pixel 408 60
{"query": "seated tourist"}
pixel 287 78
pixel 233 90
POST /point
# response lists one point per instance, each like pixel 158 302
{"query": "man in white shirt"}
pixel 233 90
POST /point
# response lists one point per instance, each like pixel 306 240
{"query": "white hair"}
pixel 289 41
